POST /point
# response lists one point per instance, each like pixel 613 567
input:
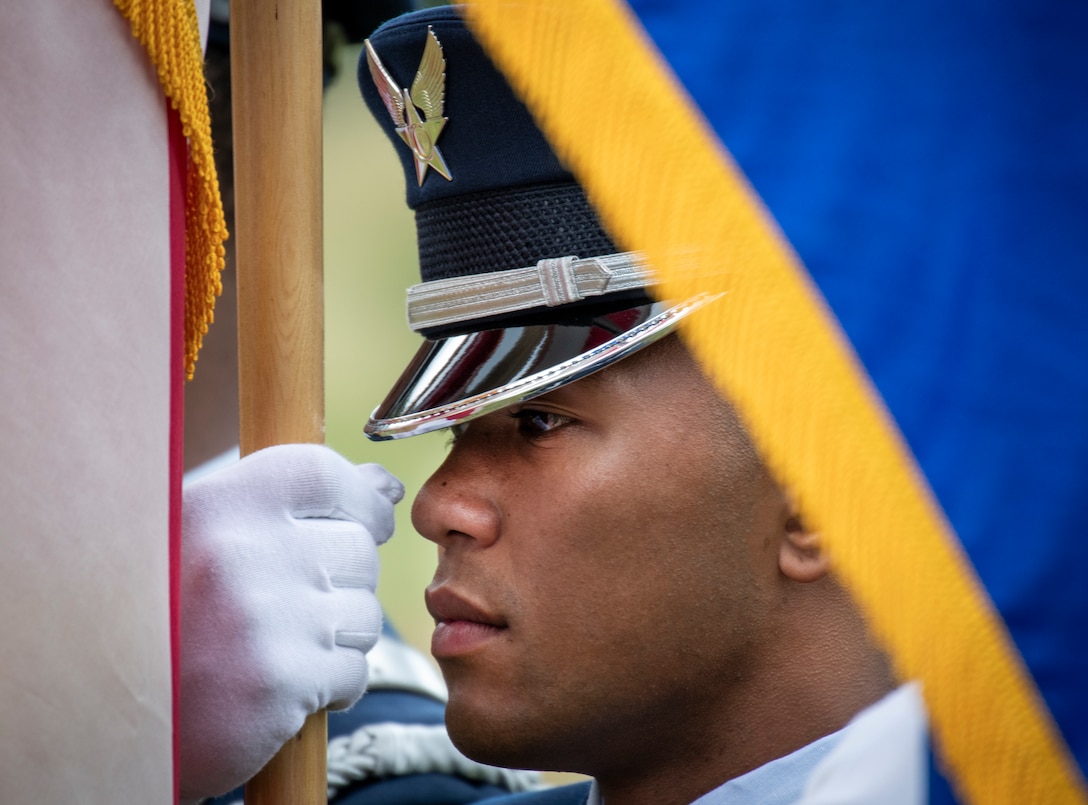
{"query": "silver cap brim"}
pixel 453 380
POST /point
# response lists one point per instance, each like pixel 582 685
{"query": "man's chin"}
pixel 507 739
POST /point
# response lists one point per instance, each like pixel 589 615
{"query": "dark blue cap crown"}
pixel 509 202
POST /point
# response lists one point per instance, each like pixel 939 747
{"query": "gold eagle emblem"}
pixel 427 96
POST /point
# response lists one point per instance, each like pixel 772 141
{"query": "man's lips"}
pixel 447 604
pixel 461 625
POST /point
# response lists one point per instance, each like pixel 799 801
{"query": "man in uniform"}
pixel 623 590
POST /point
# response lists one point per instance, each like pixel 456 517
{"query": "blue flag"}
pixel 896 194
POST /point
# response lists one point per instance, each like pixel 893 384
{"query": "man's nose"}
pixel 458 502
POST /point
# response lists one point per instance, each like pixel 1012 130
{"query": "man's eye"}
pixel 534 424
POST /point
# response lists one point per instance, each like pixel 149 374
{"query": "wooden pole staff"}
pixel 276 83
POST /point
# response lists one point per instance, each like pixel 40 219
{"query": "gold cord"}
pixel 169 32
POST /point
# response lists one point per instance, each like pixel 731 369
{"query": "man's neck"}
pixel 809 690
pixel 779 782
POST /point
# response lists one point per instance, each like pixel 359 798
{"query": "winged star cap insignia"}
pixel 427 96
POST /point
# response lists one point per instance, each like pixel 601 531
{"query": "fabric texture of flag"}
pixel 892 199
pixel 92 246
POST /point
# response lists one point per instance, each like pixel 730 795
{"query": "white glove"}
pixel 279 566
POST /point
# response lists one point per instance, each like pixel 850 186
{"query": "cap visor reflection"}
pixel 456 379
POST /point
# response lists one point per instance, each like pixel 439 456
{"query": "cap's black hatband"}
pixel 504 229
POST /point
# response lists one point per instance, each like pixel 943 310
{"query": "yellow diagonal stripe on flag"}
pixel 169 32
pixel 664 185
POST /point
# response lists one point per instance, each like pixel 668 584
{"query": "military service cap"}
pixel 522 289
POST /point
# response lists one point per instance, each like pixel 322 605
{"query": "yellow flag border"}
pixel 618 117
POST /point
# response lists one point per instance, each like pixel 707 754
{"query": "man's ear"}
pixel 800 556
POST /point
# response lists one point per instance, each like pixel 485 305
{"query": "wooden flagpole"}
pixel 276 84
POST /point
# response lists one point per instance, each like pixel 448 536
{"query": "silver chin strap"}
pixel 552 282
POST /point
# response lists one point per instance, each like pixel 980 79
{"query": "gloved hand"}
pixel 279 566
